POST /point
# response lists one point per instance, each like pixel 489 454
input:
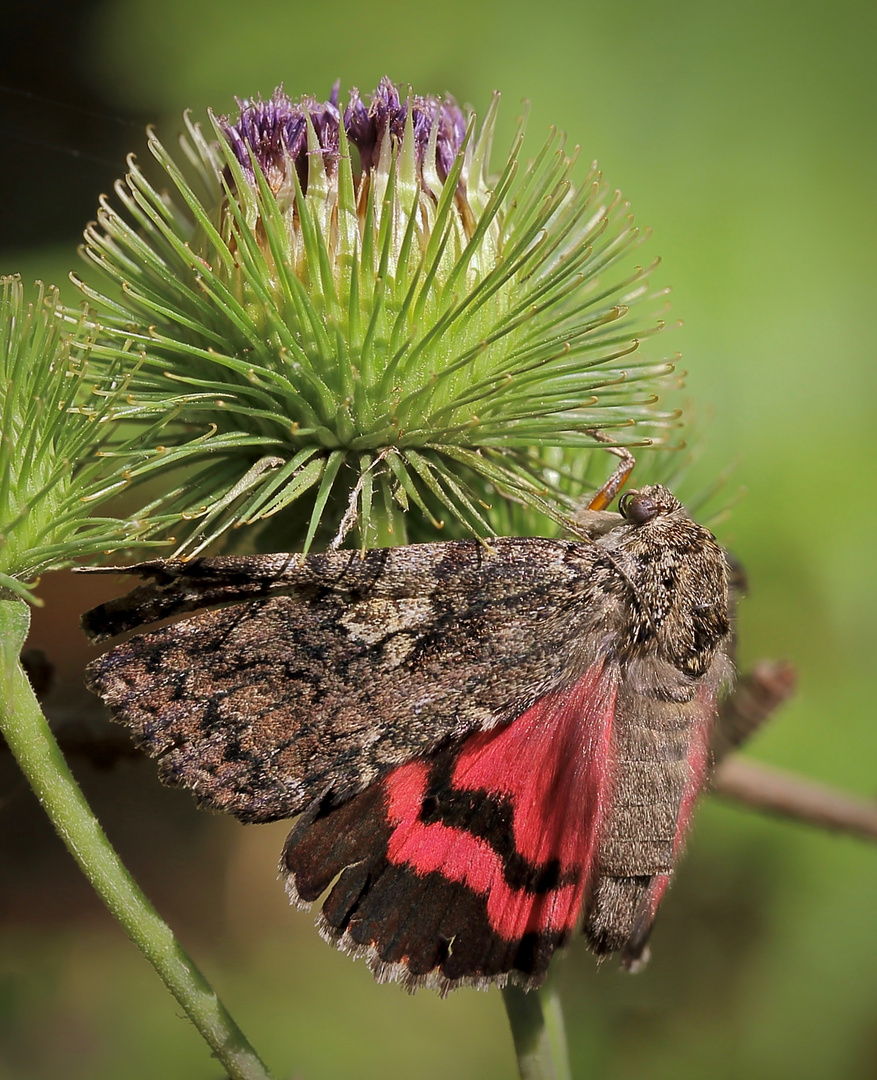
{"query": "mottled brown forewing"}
pixel 338 666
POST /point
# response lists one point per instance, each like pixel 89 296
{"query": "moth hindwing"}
pixel 485 746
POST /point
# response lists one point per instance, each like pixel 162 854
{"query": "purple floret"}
pixel 275 131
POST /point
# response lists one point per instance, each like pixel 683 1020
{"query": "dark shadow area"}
pixel 63 144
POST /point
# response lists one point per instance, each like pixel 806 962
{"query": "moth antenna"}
pixel 604 495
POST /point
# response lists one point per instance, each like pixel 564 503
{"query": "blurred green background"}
pixel 744 135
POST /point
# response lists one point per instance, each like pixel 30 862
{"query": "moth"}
pixel 486 745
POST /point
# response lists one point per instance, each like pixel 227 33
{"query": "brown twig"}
pixel 756 697
pixel 776 792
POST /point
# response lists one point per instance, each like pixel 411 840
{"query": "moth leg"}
pixel 604 495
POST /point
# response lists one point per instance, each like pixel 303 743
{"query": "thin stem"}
pixel 791 796
pixel 756 697
pixel 31 741
pixel 553 1011
pixel 538 1034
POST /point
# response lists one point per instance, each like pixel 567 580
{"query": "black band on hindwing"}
pixel 488 816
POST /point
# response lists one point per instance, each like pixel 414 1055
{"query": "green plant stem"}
pixel 553 1012
pixel 42 762
pixel 537 1027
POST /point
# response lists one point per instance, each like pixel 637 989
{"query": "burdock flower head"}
pixel 341 313
pixel 62 453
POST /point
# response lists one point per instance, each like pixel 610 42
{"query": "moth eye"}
pixel 638 507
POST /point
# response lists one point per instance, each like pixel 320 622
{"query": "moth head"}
pixel 640 507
